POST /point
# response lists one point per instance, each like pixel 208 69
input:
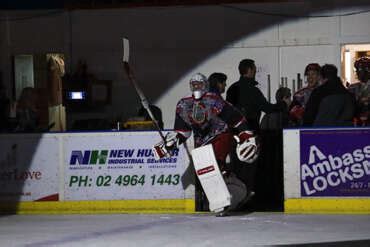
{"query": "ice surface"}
pixel 182 230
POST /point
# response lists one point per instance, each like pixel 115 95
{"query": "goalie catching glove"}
pixel 246 149
pixel 166 147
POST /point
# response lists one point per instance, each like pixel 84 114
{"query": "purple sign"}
pixel 335 162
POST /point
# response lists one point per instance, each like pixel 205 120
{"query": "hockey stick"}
pixel 131 77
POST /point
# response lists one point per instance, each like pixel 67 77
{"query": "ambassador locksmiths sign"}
pixel 335 162
pixel 118 167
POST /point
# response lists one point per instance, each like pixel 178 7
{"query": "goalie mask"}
pixel 198 85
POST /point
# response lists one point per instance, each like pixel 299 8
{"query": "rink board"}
pixel 327 170
pixel 102 207
pixel 95 172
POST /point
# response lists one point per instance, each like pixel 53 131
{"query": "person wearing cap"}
pixel 300 98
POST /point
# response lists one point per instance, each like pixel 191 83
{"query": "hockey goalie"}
pixel 214 123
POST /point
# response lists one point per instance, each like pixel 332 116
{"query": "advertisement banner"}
pixel 28 168
pixel 335 163
pixel 121 166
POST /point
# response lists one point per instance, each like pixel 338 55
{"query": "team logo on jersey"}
pixel 199 114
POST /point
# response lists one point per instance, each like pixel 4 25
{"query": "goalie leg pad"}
pixel 210 178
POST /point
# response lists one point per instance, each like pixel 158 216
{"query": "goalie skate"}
pixel 210 178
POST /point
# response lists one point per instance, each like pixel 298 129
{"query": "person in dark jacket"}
pixel 247 97
pixel 278 120
pixel 330 104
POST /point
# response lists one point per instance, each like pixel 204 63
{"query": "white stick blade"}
pixel 126 49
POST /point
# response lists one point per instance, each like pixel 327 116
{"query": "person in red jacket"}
pixel 300 98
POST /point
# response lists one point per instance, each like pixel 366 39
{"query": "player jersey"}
pixel 362 95
pixel 207 117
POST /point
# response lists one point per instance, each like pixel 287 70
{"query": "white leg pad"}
pixel 210 178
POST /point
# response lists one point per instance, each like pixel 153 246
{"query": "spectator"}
pixel 82 74
pixel 361 91
pixel 329 104
pixel 27 112
pixel 217 83
pixel 300 98
pixel 278 120
pixel 245 95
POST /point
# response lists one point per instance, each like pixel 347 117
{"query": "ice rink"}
pixel 247 229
